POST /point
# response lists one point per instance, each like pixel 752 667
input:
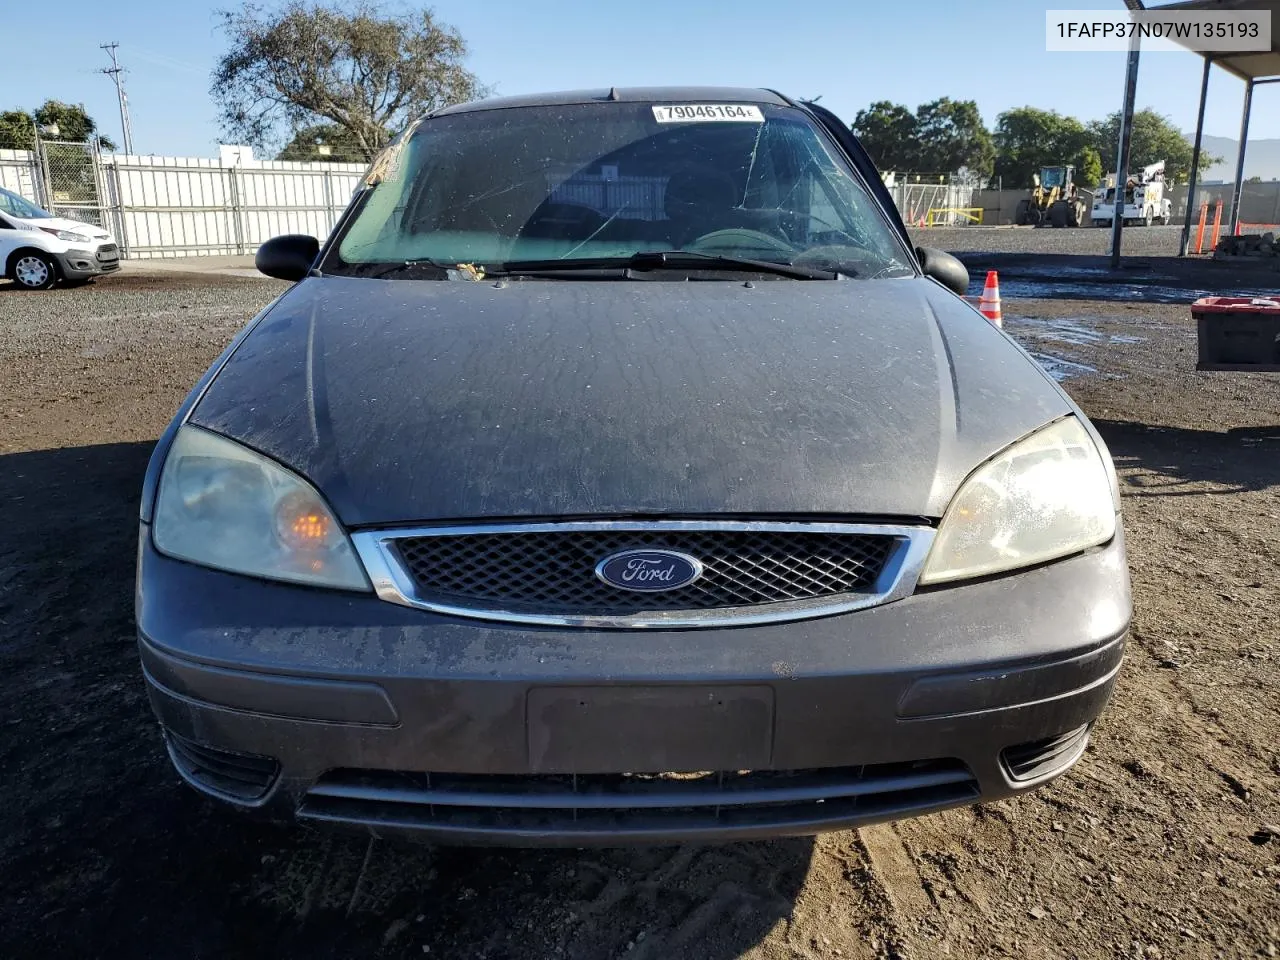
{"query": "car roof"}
pixel 625 95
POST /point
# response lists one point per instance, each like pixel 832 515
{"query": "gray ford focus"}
pixel 617 472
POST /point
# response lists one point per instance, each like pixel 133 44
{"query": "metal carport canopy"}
pixel 1253 67
pixel 1250 66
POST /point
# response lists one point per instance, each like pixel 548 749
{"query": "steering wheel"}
pixel 738 237
pixel 833 253
pixel 836 237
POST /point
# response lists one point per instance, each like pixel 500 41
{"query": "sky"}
pixel 850 53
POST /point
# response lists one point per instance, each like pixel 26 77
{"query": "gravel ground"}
pixel 1163 842
pixel 1134 241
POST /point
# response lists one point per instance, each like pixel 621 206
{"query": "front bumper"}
pixel 342 707
pixel 83 264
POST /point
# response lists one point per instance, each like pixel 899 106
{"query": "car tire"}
pixel 1149 219
pixel 33 271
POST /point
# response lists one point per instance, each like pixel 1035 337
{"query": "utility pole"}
pixel 1125 132
pixel 115 71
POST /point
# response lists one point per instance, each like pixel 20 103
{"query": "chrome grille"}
pixel 554 572
pixel 535 572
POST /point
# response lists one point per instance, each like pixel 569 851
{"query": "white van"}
pixel 38 249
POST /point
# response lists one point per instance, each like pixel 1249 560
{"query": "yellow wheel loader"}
pixel 1054 200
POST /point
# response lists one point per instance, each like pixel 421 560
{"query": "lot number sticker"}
pixel 695 112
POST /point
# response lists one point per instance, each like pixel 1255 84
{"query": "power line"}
pixel 115 71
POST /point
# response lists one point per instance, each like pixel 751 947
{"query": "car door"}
pixel 10 237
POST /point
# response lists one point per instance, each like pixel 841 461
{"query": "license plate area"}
pixel 649 729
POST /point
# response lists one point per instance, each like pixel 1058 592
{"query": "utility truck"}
pixel 1144 199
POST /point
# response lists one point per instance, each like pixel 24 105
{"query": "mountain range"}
pixel 1261 160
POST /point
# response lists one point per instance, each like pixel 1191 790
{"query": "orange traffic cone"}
pixel 989 304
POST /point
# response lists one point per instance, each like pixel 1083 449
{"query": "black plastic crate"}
pixel 1238 333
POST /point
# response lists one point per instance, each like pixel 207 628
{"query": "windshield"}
pixel 595 181
pixel 21 207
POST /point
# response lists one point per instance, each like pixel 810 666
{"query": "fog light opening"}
pixel 1037 759
pixel 223 773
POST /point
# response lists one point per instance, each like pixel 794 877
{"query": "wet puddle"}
pixel 1046 289
pixel 1073 330
pixel 1061 369
pixel 1037 333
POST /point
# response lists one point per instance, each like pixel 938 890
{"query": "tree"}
pixel 888 132
pixel 1154 138
pixel 73 122
pixel 953 137
pixel 1088 167
pixel 353 66
pixel 307 141
pixel 944 136
pixel 17 130
pixel 1027 139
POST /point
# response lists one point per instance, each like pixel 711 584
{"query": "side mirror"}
pixel 288 257
pixel 944 268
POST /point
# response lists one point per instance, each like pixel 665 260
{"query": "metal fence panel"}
pixel 20 174
pixel 173 206
pixel 191 206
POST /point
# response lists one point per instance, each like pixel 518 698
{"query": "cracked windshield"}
pixel 605 181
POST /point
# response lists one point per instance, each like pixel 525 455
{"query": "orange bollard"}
pixel 989 303
pixel 1204 215
pixel 1217 226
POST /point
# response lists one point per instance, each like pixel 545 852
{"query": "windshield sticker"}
pixel 697 112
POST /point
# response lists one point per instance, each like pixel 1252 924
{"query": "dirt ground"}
pixel 1163 842
pixel 1134 241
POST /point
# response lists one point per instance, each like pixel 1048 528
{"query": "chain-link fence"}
pixel 72 176
pixel 933 200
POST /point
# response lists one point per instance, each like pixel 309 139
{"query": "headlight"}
pixel 67 235
pixel 1046 496
pixel 224 506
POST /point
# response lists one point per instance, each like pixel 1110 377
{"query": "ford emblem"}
pixel 648 571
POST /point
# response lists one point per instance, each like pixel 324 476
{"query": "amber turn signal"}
pixel 303 524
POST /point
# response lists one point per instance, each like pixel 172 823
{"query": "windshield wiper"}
pixel 660 260
pixel 436 269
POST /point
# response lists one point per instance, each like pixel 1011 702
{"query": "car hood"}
pixel 62 223
pixel 430 400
